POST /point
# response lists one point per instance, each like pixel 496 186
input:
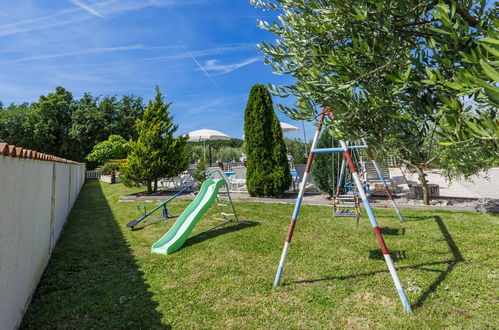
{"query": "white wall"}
pixel 35 199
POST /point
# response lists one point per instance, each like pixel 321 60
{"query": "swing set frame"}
pixel 347 159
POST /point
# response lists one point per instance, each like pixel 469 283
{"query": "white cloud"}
pixel 81 52
pixel 217 69
pixel 84 12
pixel 86 8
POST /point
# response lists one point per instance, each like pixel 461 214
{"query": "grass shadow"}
pixel 392 231
pixel 451 264
pixel 409 218
pixel 143 225
pixel 456 253
pixel 201 237
pixel 92 280
pixel 396 255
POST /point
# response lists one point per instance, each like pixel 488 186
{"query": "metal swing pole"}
pixel 342 174
pixel 298 201
pixel 380 175
pixel 377 231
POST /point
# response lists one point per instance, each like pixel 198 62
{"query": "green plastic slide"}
pixel 178 233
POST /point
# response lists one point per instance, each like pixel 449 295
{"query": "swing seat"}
pixel 346 213
pixel 132 224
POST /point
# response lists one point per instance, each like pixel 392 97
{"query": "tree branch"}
pixel 417 23
pixel 464 14
pixel 417 33
pixel 429 161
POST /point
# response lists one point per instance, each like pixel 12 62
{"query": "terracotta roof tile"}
pixel 13 151
pixel 4 148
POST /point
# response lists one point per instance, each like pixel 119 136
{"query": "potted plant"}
pixel 109 171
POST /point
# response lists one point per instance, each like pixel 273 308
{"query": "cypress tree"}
pixel 258 136
pixel 325 167
pixel 281 176
pixel 268 170
pixel 156 154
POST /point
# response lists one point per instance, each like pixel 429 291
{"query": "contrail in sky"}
pixel 200 66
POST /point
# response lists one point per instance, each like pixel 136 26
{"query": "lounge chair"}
pixel 239 177
pixel 300 170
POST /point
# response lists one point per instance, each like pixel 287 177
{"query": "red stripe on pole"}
pixel 348 157
pixel 389 192
pixel 290 231
pixel 311 154
pixel 309 162
pixel 370 153
pixel 319 126
pixel 381 241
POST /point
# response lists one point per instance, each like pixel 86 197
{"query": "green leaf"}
pixel 491 50
pixel 408 72
pixel 489 71
pixel 452 85
pixel 434 29
pixel 394 78
pixel 491 40
pixel 430 74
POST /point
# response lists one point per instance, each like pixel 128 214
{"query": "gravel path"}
pixel 460 195
pixel 481 186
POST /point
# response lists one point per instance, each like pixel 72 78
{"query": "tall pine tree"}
pixel 156 153
pixel 268 170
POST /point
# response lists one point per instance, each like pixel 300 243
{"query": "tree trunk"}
pixel 155 186
pixel 422 177
pixel 424 185
pixel 149 188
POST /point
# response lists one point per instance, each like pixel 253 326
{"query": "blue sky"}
pixel 202 53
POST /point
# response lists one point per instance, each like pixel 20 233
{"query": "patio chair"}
pixel 300 170
pixel 172 182
pixel 239 179
pixel 190 171
pixel 177 182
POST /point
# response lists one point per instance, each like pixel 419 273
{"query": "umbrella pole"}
pixel 204 151
pixel 209 152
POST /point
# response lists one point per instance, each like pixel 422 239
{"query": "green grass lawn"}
pixel 102 275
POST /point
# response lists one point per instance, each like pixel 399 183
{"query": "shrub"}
pixel 109 168
pixel 325 167
pixel 228 154
pixel 268 169
pixel 115 147
pixel 281 176
pixel 200 175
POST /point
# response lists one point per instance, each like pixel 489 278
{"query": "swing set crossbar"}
pixel 329 150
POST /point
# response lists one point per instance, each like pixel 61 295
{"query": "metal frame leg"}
pixel 377 231
pixel 280 268
pixel 340 178
pixel 380 175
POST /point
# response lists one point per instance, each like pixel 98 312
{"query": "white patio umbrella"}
pixel 288 127
pixel 291 128
pixel 203 135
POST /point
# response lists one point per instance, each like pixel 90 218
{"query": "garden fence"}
pixel 93 174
